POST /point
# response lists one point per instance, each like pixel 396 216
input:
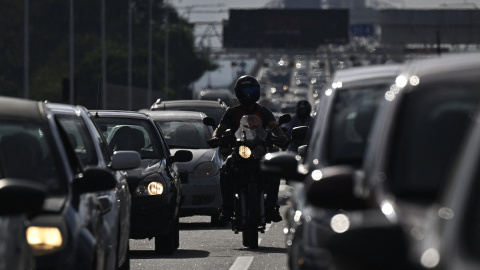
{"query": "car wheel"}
pixel 167 244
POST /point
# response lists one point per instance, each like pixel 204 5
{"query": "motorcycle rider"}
pixel 247 91
pixel 301 118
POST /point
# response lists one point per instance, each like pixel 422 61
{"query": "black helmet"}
pixel 303 109
pixel 247 90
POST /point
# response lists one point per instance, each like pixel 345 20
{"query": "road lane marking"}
pixel 267 227
pixel 259 240
pixel 242 263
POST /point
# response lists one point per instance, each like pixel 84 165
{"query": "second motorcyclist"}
pixel 247 91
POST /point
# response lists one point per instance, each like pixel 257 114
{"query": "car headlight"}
pixel 244 151
pixel 205 169
pixel 44 240
pixel 152 188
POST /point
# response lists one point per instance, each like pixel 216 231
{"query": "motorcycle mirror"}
pixel 209 121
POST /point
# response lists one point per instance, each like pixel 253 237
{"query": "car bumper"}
pixel 151 216
pixel 201 196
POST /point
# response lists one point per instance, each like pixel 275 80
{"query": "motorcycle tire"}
pixel 250 232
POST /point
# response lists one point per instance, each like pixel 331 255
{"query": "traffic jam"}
pixel 343 150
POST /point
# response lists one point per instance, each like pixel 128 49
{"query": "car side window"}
pixel 80 138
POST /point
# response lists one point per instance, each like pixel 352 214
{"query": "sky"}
pixel 217 10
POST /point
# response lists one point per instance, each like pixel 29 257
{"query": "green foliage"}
pixel 49 48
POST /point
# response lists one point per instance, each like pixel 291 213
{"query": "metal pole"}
pixel 166 50
pixel 104 58
pixel 129 105
pixel 72 59
pixel 26 55
pixel 149 93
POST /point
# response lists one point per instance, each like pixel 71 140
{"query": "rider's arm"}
pixel 277 130
pixel 219 131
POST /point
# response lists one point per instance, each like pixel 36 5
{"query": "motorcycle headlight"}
pixel 205 169
pixel 244 151
pixel 152 188
pixel 44 240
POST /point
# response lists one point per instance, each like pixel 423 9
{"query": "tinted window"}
pixel 431 126
pixel 132 134
pixel 26 153
pixel 350 121
pixel 185 134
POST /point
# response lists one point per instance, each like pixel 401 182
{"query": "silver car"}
pixel 200 177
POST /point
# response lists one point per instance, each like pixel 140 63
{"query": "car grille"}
pixel 183 177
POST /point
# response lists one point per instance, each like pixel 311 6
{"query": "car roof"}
pixel 365 74
pixel 119 114
pixel 165 104
pixel 448 68
pixel 16 108
pixel 174 114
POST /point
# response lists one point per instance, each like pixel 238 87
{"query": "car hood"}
pixel 199 156
pixel 147 167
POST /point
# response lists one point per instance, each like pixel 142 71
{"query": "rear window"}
pixel 431 126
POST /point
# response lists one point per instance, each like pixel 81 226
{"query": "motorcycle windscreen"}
pixel 250 129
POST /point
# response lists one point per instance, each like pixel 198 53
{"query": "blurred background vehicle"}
pixel 155 187
pixel 200 177
pixel 338 137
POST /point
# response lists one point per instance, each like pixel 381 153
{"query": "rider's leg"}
pixel 272 212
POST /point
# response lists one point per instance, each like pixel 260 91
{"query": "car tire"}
pixel 167 244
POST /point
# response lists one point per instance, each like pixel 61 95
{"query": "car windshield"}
pixel 132 134
pixel 26 153
pixel 191 134
pixel 350 121
pixel 429 131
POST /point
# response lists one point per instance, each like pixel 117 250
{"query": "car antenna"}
pixel 98 94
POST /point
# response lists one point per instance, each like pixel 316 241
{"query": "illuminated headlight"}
pixel 205 169
pixel 152 188
pixel 44 240
pixel 244 151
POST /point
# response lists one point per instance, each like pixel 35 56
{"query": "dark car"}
pixel 450 231
pixel 155 187
pixel 415 139
pixel 18 199
pixel 92 150
pixel 214 109
pixel 67 232
pixel 201 176
pixel 339 135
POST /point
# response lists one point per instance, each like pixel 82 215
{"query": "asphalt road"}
pixel 203 246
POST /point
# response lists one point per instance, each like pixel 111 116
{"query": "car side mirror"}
pixel 302 150
pixel 209 121
pixel 333 188
pixel 125 160
pixel 285 118
pixel 282 164
pixel 94 179
pixel 180 156
pixel 19 196
pixel 299 134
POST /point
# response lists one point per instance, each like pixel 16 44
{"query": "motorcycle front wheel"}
pixel 250 231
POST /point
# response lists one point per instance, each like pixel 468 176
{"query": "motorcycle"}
pixel 245 148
